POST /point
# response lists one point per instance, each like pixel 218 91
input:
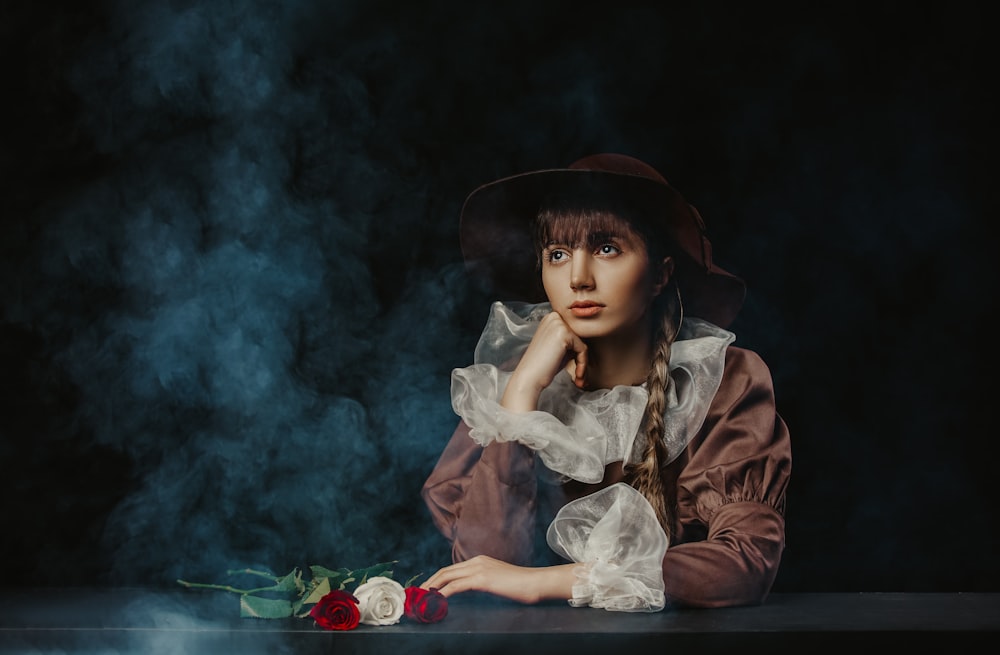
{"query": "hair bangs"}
pixel 580 227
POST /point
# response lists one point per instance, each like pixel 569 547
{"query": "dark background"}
pixel 232 291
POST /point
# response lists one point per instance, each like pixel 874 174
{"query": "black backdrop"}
pixel 232 292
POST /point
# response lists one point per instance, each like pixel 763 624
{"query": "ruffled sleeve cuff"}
pixel 575 433
pixel 615 536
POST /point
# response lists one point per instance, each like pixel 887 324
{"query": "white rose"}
pixel 380 600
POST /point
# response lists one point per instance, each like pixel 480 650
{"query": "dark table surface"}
pixel 196 621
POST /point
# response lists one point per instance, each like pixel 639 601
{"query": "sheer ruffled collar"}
pixel 697 361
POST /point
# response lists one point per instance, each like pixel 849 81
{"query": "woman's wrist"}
pixel 520 395
pixel 557 582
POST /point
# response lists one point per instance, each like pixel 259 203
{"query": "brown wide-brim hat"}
pixel 496 230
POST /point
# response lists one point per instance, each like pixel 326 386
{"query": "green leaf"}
pixel 321 589
pixel 323 572
pixel 383 569
pixel 264 608
pixel 290 582
pixel 337 578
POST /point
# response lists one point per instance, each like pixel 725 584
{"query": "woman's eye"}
pixel 608 249
pixel 555 256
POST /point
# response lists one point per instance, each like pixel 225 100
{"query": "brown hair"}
pixel 573 223
pixel 649 475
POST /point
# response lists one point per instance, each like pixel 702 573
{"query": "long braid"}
pixel 647 476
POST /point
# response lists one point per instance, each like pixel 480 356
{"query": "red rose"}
pixel 425 605
pixel 338 610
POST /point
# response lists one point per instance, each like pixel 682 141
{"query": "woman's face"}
pixel 601 283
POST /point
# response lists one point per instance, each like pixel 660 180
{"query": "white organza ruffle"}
pixel 614 534
pixel 697 361
pixel 576 433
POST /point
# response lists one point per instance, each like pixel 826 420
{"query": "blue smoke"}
pixel 232 295
pixel 275 410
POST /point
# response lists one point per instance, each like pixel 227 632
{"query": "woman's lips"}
pixel 585 309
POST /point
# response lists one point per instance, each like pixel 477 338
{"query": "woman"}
pixel 612 418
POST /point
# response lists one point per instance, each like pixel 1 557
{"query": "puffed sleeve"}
pixel 476 493
pixel 731 495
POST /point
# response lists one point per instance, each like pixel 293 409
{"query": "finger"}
pixel 445 574
pixel 449 590
pixel 454 582
pixel 471 578
pixel 436 580
pixel 581 364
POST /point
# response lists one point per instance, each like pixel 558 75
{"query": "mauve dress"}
pixel 729 532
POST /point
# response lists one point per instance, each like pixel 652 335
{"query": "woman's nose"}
pixel 581 276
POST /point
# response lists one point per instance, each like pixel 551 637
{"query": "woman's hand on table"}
pixel 518 583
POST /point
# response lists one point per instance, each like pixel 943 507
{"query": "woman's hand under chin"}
pixel 523 584
pixel 552 349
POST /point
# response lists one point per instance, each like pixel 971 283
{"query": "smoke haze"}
pixel 233 295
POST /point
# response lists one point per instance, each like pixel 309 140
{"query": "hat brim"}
pixel 495 234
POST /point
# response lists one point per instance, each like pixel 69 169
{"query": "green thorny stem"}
pixel 225 587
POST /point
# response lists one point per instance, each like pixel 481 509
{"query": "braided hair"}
pixel 649 475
